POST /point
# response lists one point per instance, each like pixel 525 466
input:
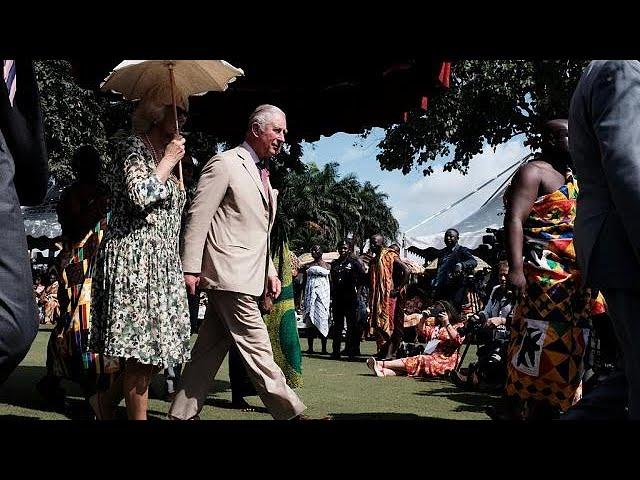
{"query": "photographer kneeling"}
pixel 489 329
pixel 441 351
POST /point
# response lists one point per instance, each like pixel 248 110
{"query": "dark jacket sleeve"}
pixel 23 131
pixel 361 277
pixel 466 258
pixel 615 104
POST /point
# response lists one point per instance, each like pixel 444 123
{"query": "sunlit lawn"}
pixel 343 389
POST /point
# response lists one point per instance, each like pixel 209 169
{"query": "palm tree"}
pixel 316 206
pixel 375 215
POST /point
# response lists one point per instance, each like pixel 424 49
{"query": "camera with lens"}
pixel 475 330
pixel 433 311
pixel 488 373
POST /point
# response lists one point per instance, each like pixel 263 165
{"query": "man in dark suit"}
pixel 453 261
pixel 23 181
pixel 604 140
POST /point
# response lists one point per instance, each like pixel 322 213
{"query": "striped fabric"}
pixel 9 75
pixel 67 352
pixel 381 305
pixel 317 298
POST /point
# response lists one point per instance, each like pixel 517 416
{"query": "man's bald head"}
pixel 376 243
pixel 555 144
pixel 557 134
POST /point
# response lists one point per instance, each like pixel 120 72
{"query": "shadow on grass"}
pixel 343 358
pixel 318 356
pixel 157 388
pixel 469 401
pixel 20 388
pixel 20 391
pixel 370 416
pixel 227 405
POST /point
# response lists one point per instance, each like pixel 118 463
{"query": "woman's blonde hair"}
pixel 151 109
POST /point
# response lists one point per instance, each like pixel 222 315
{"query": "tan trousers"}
pixel 234 317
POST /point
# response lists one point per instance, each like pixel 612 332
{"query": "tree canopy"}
pixel 316 206
pixel 489 101
pixel 72 116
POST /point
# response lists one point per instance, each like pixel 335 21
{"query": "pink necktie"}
pixel 264 176
pixel 9 76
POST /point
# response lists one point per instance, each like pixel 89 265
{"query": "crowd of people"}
pixel 541 311
pixel 139 247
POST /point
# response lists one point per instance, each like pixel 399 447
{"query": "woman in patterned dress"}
pixel 317 296
pixel 445 341
pixel 139 306
pixel 83 216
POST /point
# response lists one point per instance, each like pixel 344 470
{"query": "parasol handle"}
pixel 172 82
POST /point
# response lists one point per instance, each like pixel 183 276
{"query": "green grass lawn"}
pixel 346 390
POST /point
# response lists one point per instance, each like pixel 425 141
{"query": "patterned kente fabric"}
pixel 281 323
pixel 67 348
pixel 381 305
pixel 551 324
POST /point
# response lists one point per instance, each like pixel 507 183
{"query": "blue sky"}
pixel 414 197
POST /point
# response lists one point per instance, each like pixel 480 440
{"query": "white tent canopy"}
pixel 42 220
pixel 474 227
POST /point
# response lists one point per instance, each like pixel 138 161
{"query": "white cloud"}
pixel 449 185
pixel 350 154
pixel 431 194
pixel 414 197
pixel 400 213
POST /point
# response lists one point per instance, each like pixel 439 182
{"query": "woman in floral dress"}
pixel 139 306
pixel 444 340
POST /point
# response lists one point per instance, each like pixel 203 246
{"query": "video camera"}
pixel 493 247
pixel 476 331
pixel 495 237
pixel 489 372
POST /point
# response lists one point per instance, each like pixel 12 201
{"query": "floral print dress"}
pixel 139 307
pixel 443 359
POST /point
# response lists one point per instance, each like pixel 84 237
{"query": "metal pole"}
pixel 175 117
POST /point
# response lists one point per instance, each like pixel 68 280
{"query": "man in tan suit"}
pixel 225 251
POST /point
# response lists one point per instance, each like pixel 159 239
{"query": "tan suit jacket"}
pixel 227 225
